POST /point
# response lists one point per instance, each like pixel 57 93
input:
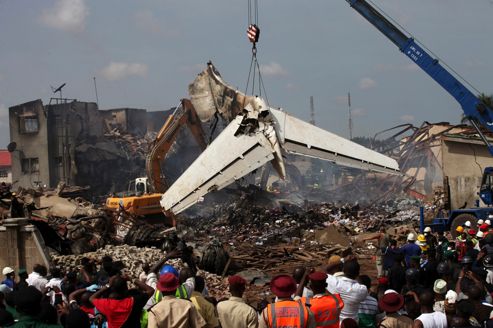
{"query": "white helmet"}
pixel 427 229
pixel 411 237
pixel 468 224
pixel 488 222
pixel 7 270
pixel 480 234
pixel 480 222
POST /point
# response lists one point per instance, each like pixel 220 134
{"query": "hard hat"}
pixel 488 222
pixel 412 273
pixel 443 268
pixel 421 238
pixel 466 260
pixel 459 229
pixel 168 269
pixel 7 270
pixel 427 229
pixel 488 261
pixel 480 234
pixel 471 232
pixel 467 224
pixel 480 222
pixel 411 237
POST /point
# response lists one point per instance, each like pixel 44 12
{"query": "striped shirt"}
pixel 368 309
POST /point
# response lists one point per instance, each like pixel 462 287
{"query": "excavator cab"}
pixel 486 190
pixel 139 186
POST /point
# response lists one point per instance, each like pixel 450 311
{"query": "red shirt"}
pixel 115 311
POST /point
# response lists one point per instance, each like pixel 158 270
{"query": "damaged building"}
pixel 72 142
pixel 441 161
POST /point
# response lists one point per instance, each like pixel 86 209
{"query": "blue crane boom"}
pixel 478 113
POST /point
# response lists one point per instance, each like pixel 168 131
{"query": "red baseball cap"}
pixel 383 281
pixel 283 285
pixel 236 281
pixel 317 276
pixel 168 282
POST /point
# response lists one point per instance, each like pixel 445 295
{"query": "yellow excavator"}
pixel 144 194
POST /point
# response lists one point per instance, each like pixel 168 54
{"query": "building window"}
pixel 30 165
pixel 4 174
pixel 29 124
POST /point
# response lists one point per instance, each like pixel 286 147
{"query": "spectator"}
pixel 120 308
pixel 410 249
pixel 439 288
pixel 28 304
pixel 391 303
pixel 482 311
pixel 397 273
pixel 326 307
pixel 54 285
pixel 235 312
pixel 298 274
pixel 205 308
pixel 9 275
pixel 22 279
pixel 37 277
pixel 286 312
pixel 428 317
pixel 172 311
pixel 334 266
pixel 352 292
pixel 368 308
pixel 389 256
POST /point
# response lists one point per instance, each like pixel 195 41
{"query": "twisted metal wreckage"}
pixel 256 134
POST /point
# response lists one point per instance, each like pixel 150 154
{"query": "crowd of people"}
pixel 429 281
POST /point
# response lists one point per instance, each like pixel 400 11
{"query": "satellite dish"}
pixel 12 147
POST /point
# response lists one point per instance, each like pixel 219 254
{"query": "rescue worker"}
pixel 326 307
pixel 422 243
pixel 431 240
pixel 286 312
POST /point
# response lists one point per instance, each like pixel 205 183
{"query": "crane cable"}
pixel 253 34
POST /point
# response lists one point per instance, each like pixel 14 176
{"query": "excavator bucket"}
pixel 256 135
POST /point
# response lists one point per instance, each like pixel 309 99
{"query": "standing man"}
pixel 235 312
pixel 428 317
pixel 9 280
pixel 383 240
pixel 352 292
pixel 410 249
pixel 172 311
pixel 325 306
pixel 286 312
pixel 205 308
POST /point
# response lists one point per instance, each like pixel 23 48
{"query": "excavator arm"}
pixel 184 115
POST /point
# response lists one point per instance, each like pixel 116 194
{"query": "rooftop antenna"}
pixel 59 89
pixel 312 111
pixel 350 116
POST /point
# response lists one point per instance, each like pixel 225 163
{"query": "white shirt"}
pixel 433 320
pixel 34 279
pixel 54 282
pixel 352 293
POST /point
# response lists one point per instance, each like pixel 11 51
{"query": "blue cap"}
pixel 168 269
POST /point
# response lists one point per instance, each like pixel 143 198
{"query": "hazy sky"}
pixel 144 53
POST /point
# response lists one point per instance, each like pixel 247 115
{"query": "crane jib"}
pixel 474 109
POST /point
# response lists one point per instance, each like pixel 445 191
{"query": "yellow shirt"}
pixel 206 309
pixel 236 313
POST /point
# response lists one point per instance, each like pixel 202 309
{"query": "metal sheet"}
pixel 227 159
pixel 303 138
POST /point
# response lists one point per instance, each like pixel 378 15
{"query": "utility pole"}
pixel 96 91
pixel 312 111
pixel 350 116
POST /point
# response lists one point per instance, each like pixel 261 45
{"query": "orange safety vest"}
pixel 287 314
pixel 326 309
